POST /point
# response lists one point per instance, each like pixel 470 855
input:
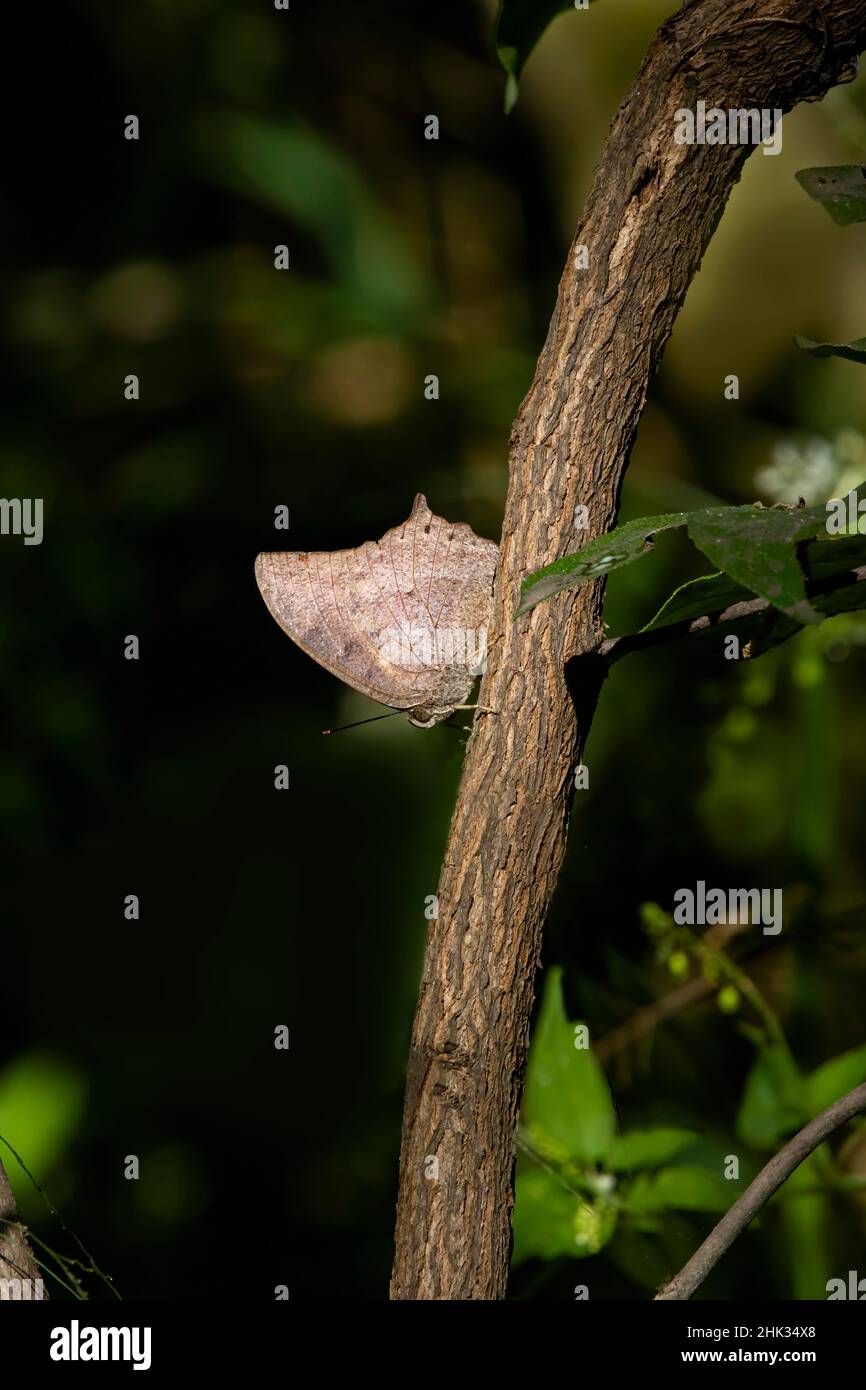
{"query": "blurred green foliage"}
pixel 580 1182
pixel 42 1102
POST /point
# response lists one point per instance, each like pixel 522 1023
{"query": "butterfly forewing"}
pixel 402 620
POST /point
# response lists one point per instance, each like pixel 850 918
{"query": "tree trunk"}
pixel 17 1265
pixel 651 212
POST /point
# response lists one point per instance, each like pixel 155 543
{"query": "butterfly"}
pixel 403 620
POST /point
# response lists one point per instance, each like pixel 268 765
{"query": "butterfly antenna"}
pixel 358 722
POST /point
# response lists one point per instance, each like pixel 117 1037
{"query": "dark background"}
pixel 305 388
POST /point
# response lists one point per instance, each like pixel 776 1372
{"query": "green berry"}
pixel 678 965
pixel 728 999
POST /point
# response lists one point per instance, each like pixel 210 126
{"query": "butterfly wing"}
pixel 383 617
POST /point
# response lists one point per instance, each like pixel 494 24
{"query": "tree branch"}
pixel 615 647
pixel 650 214
pixel 644 1021
pixel 780 1167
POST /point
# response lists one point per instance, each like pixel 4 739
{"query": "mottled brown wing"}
pixel 363 614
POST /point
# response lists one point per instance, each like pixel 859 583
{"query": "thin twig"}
pixel 106 1279
pixel 551 1168
pixel 646 1019
pixel 770 1178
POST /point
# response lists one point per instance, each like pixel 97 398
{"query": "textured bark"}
pixel 651 212
pixel 16 1257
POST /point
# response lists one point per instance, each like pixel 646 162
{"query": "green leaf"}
pixel 765 552
pixel 756 546
pixel 841 189
pixel 803 1222
pixel 551 1222
pixel 603 555
pixel 849 599
pixel 648 1148
pixel 567 1109
pixel 543 1217
pixel 774 1102
pixel 832 556
pixel 828 561
pixel 711 593
pixel 682 1189
pixel 757 632
pixel 521 24
pixel 855 351
pixel 834 1079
